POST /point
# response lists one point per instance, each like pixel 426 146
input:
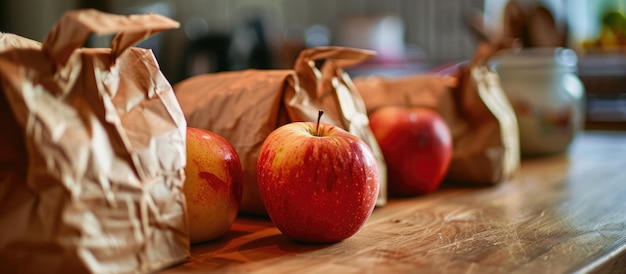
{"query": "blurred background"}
pixel 410 36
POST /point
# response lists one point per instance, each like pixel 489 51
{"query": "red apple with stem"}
pixel 417 147
pixel 318 182
pixel 213 185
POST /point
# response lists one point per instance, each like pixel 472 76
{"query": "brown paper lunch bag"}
pixel 93 151
pixel 471 101
pixel 245 106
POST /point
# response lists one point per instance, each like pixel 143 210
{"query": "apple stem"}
pixel 317 127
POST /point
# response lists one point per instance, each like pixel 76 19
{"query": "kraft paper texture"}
pixel 93 151
pixel 477 111
pixel 245 106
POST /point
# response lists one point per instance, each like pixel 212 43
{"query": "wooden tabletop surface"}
pixel 561 214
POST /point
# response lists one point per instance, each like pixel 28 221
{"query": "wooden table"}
pixel 561 214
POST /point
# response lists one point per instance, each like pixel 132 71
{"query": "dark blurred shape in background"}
pixel 534 25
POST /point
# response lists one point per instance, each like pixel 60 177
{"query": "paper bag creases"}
pixel 245 106
pixel 480 118
pixel 102 138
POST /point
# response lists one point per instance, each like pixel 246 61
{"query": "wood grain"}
pixel 561 214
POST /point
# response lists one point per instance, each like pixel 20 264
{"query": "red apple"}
pixel 417 146
pixel 213 185
pixel 318 182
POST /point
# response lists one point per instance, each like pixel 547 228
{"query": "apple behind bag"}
pixel 481 119
pixel 245 106
pixel 92 151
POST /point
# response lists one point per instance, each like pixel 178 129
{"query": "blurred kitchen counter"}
pixel 561 214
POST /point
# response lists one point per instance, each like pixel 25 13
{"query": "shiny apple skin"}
pixel 213 185
pixel 317 189
pixel 417 147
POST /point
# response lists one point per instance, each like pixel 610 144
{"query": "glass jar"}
pixel 546 94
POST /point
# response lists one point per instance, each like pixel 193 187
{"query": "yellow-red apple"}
pixel 213 185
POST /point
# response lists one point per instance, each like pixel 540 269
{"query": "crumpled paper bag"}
pixel 245 106
pixel 469 98
pixel 93 151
